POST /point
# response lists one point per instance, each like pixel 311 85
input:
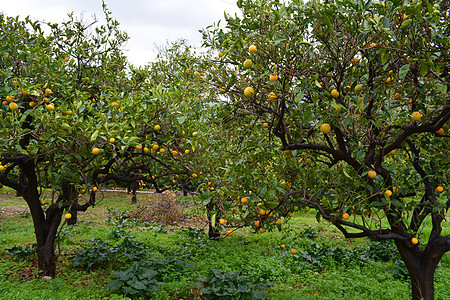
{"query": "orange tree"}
pixel 74 116
pixel 360 89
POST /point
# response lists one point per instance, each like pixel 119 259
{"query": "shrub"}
pixel 23 252
pixel 98 253
pixel 231 285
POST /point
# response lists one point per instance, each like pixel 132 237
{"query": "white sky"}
pixel 147 22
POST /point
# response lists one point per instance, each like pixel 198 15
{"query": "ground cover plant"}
pixel 169 261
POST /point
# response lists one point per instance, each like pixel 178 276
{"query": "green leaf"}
pixel 406 24
pixel 94 135
pixel 403 71
pixel 279 40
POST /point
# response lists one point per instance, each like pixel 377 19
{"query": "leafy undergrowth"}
pixel 111 256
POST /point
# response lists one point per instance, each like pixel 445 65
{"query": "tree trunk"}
pixel 45 229
pixel 133 192
pixel 421 265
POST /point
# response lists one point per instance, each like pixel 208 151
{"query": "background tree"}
pixel 359 88
pixel 75 116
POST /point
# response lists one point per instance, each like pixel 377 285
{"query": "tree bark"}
pixel 421 265
pixel 45 229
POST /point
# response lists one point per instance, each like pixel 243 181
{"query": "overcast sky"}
pixel 147 22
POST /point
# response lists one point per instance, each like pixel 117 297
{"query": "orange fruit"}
pixel 325 128
pixel 139 147
pixel 283 246
pixel 278 222
pixel 257 223
pixel 440 131
pixel 440 189
pixel 48 91
pixel 13 106
pixel 244 200
pixel 95 151
pixel 112 140
pixel 222 221
pixel 229 233
pixel 249 92
pixel 372 174
pixel 345 216
pixel 373 45
pixel 68 216
pixel 42 202
pixel 414 241
pixel 293 251
pixel 252 49
pixel 334 93
pixel 9 98
pixel 388 192
pixel 262 230
pixel 273 77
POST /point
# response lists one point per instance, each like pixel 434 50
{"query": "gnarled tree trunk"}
pixel 421 265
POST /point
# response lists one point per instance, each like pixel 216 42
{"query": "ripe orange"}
pixel 257 223
pixel 68 216
pixel 9 98
pixel 162 150
pixel 345 216
pixel 416 115
pixel 42 202
pixel 262 230
pixel 262 212
pixel 440 131
pixel 222 221
pixel 5 102
pixel 355 60
pixel 252 49
pixel 295 207
pixel 174 152
pixel 112 140
pixel 325 128
pixel 273 77
pixel 157 127
pixel 440 189
pixel 393 152
pixel 13 106
pixel 388 192
pixel 334 93
pixel 94 188
pixel 293 251
pixel 244 200
pixel 373 45
pixel 95 151
pixel 278 222
pixel 155 147
pixel 414 241
pixel 273 97
pixel 139 147
pixel 283 246
pixel 372 174
pixel 229 233
pixel 48 91
pixel 265 125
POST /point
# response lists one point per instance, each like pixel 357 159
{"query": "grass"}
pixel 256 255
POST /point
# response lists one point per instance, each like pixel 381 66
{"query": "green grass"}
pixel 257 255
